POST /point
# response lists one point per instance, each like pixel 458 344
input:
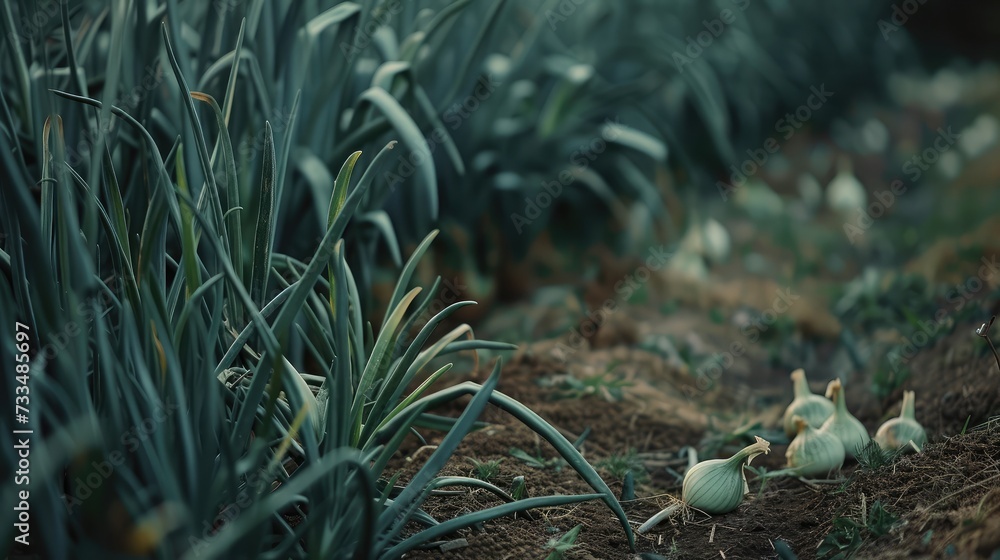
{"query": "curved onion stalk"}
pixel 812 452
pixel 531 420
pixel 843 424
pixel 813 408
pixel 903 433
pixel 714 486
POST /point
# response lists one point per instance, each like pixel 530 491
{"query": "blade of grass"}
pixel 470 519
pixel 406 402
pixel 635 139
pixel 282 162
pixel 20 69
pixel 212 193
pixel 76 76
pixel 395 517
pixel 383 223
pixel 265 221
pixel 232 211
pixel 408 367
pixel 374 366
pixel 337 199
pixel 488 24
pixel 48 182
pixel 411 265
pixel 153 234
pixel 530 419
pixel 189 245
pixel 234 72
pixel 288 493
pixel 436 25
pixel 411 136
pixel 377 195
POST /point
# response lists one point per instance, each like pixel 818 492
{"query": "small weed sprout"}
pixel 879 520
pixel 485 470
pixel 842 541
pixel 608 385
pixel 561 546
pixel 872 456
pixel 848 534
pixel 620 464
pixel 537 460
pixel 519 488
pixel 762 475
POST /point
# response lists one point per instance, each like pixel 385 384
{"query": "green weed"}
pixel 873 457
pixel 607 385
pixel 485 470
pixel 537 461
pixel 620 464
pixel 848 534
pixel 562 546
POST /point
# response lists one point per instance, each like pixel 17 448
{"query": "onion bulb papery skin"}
pixel 843 424
pixel 896 433
pixel 814 453
pixel 718 485
pixel 814 408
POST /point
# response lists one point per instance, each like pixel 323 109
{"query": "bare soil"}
pixel 946 498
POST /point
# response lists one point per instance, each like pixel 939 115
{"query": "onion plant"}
pixel 201 387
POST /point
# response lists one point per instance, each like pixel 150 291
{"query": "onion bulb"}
pixel 714 486
pixel 843 424
pixel 845 193
pixel 718 485
pixel 813 408
pixel 897 433
pixel 812 452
